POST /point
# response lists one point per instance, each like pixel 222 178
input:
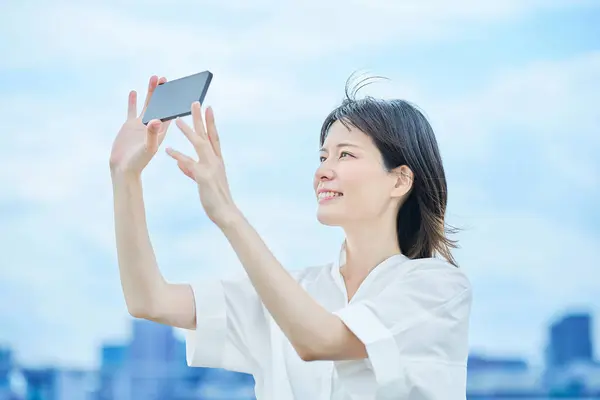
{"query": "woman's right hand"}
pixel 136 143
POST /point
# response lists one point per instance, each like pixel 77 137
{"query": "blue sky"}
pixel 511 88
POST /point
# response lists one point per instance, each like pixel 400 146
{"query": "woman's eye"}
pixel 342 154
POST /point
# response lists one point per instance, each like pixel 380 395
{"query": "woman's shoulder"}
pixel 434 271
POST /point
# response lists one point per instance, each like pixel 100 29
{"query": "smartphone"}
pixel 174 98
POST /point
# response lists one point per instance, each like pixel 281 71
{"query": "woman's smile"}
pixel 327 196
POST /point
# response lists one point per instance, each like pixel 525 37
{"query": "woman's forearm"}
pixel 308 325
pixel 138 269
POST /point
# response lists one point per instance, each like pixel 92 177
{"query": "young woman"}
pixel 385 319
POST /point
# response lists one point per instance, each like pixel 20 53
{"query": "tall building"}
pixel 570 340
pixel 151 366
pixel 6 371
pixel 112 378
pixel 5 367
pixel 41 383
pixel 151 360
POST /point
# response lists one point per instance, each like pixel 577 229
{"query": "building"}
pixel 111 377
pixel 570 365
pixel 570 340
pixel 501 376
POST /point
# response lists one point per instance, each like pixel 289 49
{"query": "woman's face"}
pixel 351 183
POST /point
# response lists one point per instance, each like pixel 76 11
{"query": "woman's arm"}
pixel 147 294
pixel 315 333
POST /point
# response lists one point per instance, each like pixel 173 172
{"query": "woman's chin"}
pixel 329 218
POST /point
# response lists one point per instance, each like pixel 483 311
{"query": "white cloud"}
pixel 262 32
pixel 543 97
pixel 549 105
pixel 91 33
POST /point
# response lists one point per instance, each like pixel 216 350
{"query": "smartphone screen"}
pixel 174 98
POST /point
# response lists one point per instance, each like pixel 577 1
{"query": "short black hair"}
pixel 404 136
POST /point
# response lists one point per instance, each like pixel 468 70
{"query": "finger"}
pixel 132 105
pixel 213 134
pixel 151 86
pixel 165 126
pixel 163 130
pixel 189 133
pixel 186 161
pixel 152 130
pixel 197 118
pixel 185 170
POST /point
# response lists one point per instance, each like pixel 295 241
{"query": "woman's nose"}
pixel 324 172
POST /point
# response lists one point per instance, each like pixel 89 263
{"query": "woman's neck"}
pixel 367 246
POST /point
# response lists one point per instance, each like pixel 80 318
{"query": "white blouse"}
pixel 412 316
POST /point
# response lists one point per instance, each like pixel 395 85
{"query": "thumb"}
pixel 185 170
pixel 152 131
pixel 162 131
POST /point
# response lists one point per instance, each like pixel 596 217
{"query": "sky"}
pixel 511 88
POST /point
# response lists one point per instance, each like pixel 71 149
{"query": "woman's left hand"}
pixel 209 171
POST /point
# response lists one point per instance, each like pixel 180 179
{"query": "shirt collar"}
pixel 339 261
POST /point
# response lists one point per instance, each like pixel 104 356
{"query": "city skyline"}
pixel 116 345
pixel 151 364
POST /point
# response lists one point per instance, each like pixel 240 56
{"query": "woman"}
pixel 383 320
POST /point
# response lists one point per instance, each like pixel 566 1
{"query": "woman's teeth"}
pixel 324 195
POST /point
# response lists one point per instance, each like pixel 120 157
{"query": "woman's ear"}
pixel 404 181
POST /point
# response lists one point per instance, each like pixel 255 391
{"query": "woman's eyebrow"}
pixel 340 145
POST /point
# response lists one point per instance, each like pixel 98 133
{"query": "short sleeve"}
pixel 231 326
pixel 415 332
